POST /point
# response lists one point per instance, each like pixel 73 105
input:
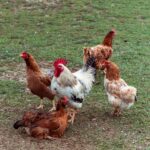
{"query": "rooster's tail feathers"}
pixel 91 64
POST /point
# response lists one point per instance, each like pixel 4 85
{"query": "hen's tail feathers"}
pixel 109 38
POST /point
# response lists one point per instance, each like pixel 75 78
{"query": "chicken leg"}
pixel 72 113
pixel 41 106
pixel 116 112
pixel 54 106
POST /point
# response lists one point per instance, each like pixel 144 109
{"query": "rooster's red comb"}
pixel 60 61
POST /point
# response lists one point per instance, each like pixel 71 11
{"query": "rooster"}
pixel 44 125
pixel 102 51
pixel 37 82
pixel 120 94
pixel 73 85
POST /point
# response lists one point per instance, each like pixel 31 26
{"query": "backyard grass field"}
pixel 50 29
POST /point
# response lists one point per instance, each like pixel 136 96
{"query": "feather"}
pixel 90 62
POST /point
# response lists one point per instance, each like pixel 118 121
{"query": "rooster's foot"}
pixel 72 115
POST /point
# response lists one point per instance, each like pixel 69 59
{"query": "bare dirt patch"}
pixel 18 72
pixel 17 139
pixel 47 2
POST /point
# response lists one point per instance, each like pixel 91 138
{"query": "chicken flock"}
pixel 67 90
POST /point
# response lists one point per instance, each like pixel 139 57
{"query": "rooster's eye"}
pixel 59 66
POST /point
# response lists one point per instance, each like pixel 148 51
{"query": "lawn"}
pixel 55 28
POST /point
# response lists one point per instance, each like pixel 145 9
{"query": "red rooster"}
pixel 73 85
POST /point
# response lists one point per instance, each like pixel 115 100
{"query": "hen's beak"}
pixel 18 124
pixel 21 55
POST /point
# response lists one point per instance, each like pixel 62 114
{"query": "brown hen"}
pixel 46 125
pixel 37 82
pixel 102 51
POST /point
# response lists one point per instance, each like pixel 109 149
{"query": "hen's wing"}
pixel 114 88
pixel 37 87
pixel 54 124
pixel 45 79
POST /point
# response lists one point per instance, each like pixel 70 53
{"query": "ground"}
pixel 53 28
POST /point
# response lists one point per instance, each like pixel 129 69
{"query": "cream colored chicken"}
pixel 120 94
pixel 73 85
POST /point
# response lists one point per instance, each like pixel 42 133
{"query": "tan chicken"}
pixel 102 51
pixel 37 82
pixel 120 94
pixel 44 125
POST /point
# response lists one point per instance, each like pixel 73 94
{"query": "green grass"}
pixel 62 30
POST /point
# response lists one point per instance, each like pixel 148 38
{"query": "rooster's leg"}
pixel 54 106
pixel 72 115
pixel 41 105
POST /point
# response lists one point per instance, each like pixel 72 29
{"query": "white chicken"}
pixel 73 85
pixel 120 94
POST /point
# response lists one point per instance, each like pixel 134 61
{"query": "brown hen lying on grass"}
pixel 46 125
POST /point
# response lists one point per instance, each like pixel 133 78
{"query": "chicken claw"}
pixel 51 138
pixel 71 114
pixel 116 112
pixel 41 106
pixel 54 106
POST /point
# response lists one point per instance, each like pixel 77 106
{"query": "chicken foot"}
pixel 53 106
pixel 41 106
pixel 116 112
pixel 51 138
pixel 72 113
